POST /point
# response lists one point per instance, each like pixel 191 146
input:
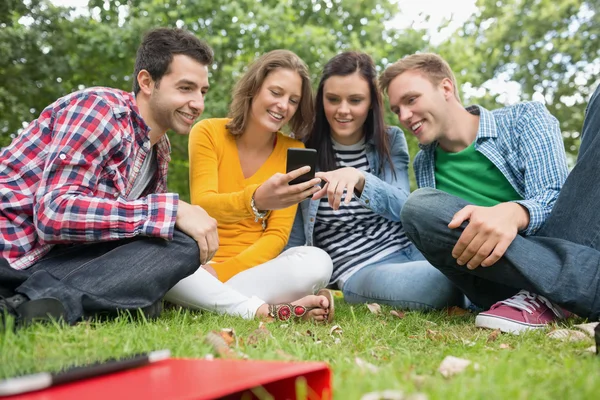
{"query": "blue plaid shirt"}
pixel 524 142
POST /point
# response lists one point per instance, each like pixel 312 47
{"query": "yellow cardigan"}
pixel 217 184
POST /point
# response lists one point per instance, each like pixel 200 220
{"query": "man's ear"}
pixel 448 88
pixel 146 82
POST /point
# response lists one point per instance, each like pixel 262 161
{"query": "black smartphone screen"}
pixel 297 158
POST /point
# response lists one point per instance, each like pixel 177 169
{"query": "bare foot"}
pixel 317 306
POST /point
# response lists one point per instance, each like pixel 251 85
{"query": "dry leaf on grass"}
pixel 365 366
pixel 384 395
pixel 374 308
pixel 219 345
pixel 228 335
pixel 587 328
pixel 284 355
pixel 416 396
pixel 493 336
pixel 397 313
pixel 567 335
pixel 591 349
pixel 434 335
pixel 453 365
pixel 258 335
pixel 456 311
pixel 504 346
pixel 336 329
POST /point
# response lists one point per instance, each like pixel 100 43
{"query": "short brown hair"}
pixel 432 65
pixel 251 82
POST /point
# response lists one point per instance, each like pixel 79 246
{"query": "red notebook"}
pixel 176 379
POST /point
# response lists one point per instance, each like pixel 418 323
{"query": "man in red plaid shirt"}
pixel 86 223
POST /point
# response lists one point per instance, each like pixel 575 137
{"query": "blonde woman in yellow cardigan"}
pixel 237 167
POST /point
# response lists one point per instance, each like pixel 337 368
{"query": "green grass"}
pixel 407 352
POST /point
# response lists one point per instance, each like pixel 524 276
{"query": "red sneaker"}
pixel 522 312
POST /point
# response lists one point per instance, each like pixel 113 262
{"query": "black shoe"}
pixel 154 310
pixel 25 311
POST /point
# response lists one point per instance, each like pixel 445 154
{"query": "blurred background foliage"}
pixel 545 50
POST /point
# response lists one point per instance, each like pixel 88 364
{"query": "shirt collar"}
pixel 487 126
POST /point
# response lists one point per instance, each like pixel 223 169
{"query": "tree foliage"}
pixel 548 47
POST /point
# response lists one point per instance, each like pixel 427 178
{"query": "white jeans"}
pixel 295 273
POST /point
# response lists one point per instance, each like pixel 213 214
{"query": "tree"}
pixel 551 48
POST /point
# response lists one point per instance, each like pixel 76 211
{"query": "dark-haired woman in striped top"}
pixel 356 215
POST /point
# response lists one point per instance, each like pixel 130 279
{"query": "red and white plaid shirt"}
pixel 66 178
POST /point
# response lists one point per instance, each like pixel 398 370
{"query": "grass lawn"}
pixel 398 353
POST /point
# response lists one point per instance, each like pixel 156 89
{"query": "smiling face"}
pixel 347 101
pixel 177 100
pixel 421 106
pixel 277 100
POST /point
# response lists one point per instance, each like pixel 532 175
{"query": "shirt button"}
pixel 367 201
pixel 312 220
pixel 116 194
pixel 136 169
pixel 62 156
pixel 30 258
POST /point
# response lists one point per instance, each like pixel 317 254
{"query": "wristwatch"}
pixel 259 215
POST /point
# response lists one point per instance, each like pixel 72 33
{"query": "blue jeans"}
pixel 106 276
pixel 561 261
pixel 403 279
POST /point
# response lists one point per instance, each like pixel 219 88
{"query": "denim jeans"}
pixel 403 279
pixel 106 276
pixel 561 261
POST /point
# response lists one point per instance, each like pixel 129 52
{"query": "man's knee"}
pixel 419 204
pixel 185 251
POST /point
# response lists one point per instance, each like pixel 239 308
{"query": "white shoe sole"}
pixel 505 325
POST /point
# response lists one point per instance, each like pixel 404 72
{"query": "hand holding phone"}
pixel 280 191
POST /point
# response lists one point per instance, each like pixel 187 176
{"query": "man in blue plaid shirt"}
pixel 491 184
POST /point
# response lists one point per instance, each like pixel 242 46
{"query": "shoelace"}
pixel 527 301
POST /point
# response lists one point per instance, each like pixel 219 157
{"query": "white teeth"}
pixel 343 120
pixel 275 115
pixel 189 116
pixel 416 126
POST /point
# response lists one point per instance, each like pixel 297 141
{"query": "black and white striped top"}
pixel 355 236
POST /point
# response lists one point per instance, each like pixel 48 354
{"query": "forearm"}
pixel 227 208
pixel 69 217
pixel 382 198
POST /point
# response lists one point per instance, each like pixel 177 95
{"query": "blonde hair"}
pixel 434 67
pixel 250 83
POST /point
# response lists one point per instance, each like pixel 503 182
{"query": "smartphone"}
pixel 298 158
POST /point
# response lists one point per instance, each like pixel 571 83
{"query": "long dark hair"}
pixel 345 64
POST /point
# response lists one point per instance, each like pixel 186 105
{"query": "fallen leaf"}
pixel 467 342
pixel 337 340
pixel 587 328
pixel 384 395
pixel 434 335
pixel 259 334
pixel 591 349
pixel 228 335
pixel 493 336
pixel 398 314
pixel 219 345
pixel 453 365
pixel 567 335
pixel 456 311
pixel 336 329
pixel 374 308
pixel 364 365
pixel 284 355
pixel 504 346
pixel 416 396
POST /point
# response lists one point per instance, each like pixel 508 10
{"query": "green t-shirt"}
pixel 469 175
